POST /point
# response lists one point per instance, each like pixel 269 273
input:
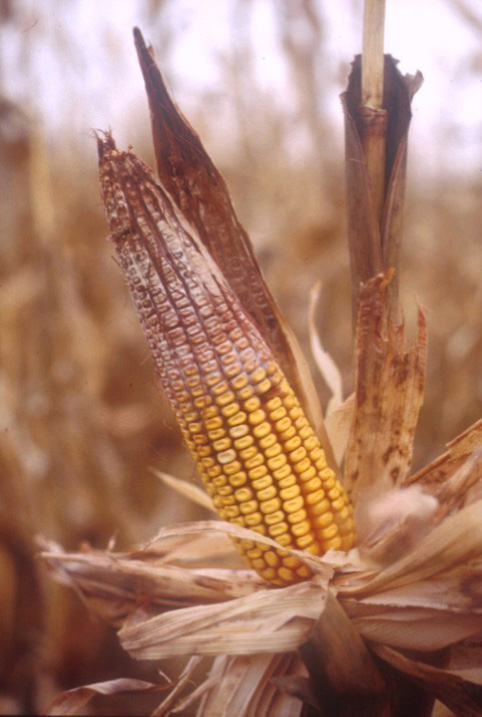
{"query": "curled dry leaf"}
pixel 72 701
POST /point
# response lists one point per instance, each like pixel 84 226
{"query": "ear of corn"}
pixel 259 459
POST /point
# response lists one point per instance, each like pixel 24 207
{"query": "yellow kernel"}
pixel 256 417
pixel 296 517
pixel 296 412
pixel 276 462
pixel 269 574
pixel 214 471
pixel 229 411
pixel 272 518
pixel 262 430
pixel 254 553
pixel 261 482
pixel 268 442
pixel 232 512
pixel 342 516
pixel 238 431
pixel 314 497
pixel 248 453
pixel 293 505
pixel 244 442
pixel 195 427
pixel 270 506
pixel 219 481
pixel 259 473
pixel 271 558
pixel 304 572
pixel 301 528
pixel 277 529
pixel 310 443
pixel 253 521
pixel 227 456
pixel 304 541
pixel 290 561
pixel 224 490
pixel 208 462
pixel 346 542
pixel 319 508
pixel 334 493
pixel 242 495
pixel 329 532
pixel 288 481
pixel 273 403
pixel 286 574
pixel 203 451
pixel 290 492
pixel 214 423
pixel 232 371
pixel 284 539
pixel 322 521
pixel 264 386
pixel 237 418
pixel 278 413
pixel 267 493
pixel 289 433
pixel 225 399
pixel 283 424
pixel 312 488
pixel 212 378
pixel 337 504
pixel 258 375
pixel 222 444
pixel 258 564
pixel 255 461
pixel 217 433
pixel 246 392
pixel 238 479
pixel 220 388
pixel 232 468
pixel 250 507
pixel 297 456
pixel 252 404
pixel 293 443
pixel 239 382
pixel 283 472
pixel 334 543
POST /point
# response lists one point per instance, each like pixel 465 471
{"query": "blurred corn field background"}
pixel 82 422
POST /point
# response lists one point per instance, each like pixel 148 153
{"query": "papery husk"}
pixel 247 687
pixel 71 701
pixel 267 621
pixel 388 396
pixel 196 186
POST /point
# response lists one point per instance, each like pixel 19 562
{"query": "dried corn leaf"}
pixel 388 397
pixel 248 687
pixel 200 192
pixel 338 423
pixel 436 477
pixel 71 701
pixel 455 542
pixel 460 690
pixel 115 584
pixel 268 621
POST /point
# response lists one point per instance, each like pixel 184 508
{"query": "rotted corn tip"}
pixel 255 450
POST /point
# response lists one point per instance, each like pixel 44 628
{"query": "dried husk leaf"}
pixel 250 686
pixel 388 396
pixel 338 424
pixel 446 477
pixel 268 621
pixel 200 192
pixel 71 701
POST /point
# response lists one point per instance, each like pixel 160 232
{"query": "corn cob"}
pixel 257 454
